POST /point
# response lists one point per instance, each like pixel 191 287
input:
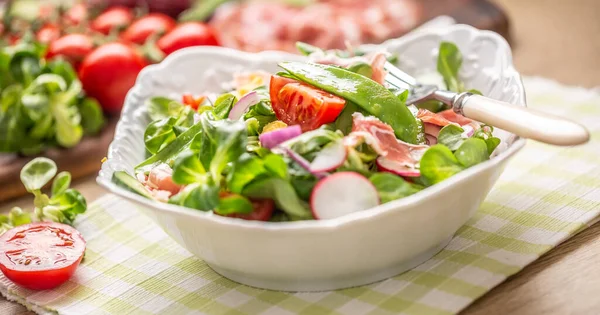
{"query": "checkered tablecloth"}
pixel 546 195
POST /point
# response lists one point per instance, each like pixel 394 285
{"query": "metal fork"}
pixel 524 122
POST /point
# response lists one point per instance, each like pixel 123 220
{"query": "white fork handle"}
pixel 522 121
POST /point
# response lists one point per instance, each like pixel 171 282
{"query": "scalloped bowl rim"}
pixel 369 214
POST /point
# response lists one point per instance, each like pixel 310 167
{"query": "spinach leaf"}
pixel 92 119
pixel 223 105
pixel 18 217
pixel 61 183
pixel 391 187
pixel 70 203
pixel 187 169
pixel 159 134
pixel 245 170
pixel 170 152
pixel 161 107
pixel 233 204
pixel 472 152
pixel 451 136
pixel 312 141
pixel 438 163
pixel 448 65
pixel 37 173
pixel 284 195
pixel 486 133
pixel 200 196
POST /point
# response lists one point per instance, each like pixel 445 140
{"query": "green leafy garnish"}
pixel 391 187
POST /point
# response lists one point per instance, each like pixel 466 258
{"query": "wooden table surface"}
pixel 557 39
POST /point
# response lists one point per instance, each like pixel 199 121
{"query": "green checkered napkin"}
pixel 546 195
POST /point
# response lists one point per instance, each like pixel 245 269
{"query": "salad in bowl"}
pixel 317 140
pixel 309 173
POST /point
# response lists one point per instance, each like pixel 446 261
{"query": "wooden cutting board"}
pixel 85 159
pixel 82 160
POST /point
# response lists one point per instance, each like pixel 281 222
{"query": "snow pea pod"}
pixel 364 92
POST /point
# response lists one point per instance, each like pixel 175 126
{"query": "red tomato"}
pixel 114 17
pixel 296 103
pixel 153 23
pixel 76 14
pixel 41 255
pixel 187 35
pixel 263 211
pixel 189 100
pixel 48 33
pixel 108 73
pixel 73 47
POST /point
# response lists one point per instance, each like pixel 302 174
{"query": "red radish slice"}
pixel 394 167
pixel 341 194
pixel 274 138
pixel 330 158
pixel 241 107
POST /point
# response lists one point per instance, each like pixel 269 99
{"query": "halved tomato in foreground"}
pixel 41 255
pixel 296 103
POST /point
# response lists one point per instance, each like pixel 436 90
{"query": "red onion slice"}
pixel 243 104
pixel 273 138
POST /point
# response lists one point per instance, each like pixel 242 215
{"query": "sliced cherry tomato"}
pixel 73 47
pixel 263 211
pixel 41 255
pixel 108 72
pixel 189 100
pixel 296 103
pixel 153 23
pixel 75 14
pixel 187 35
pixel 117 17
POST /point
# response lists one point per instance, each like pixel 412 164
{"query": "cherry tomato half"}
pixel 73 47
pixel 187 35
pixel 296 103
pixel 41 255
pixel 116 17
pixel 108 72
pixel 153 23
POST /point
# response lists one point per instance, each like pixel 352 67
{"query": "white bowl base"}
pixel 331 284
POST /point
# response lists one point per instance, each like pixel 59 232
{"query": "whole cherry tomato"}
pixel 113 18
pixel 73 47
pixel 153 23
pixel 48 33
pixel 187 35
pixel 40 255
pixel 108 73
pixel 76 14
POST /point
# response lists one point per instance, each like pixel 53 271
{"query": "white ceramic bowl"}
pixel 353 250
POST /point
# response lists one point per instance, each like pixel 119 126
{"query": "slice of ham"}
pixel 429 117
pixel 161 179
pixel 328 24
pixel 403 156
pixel 377 62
